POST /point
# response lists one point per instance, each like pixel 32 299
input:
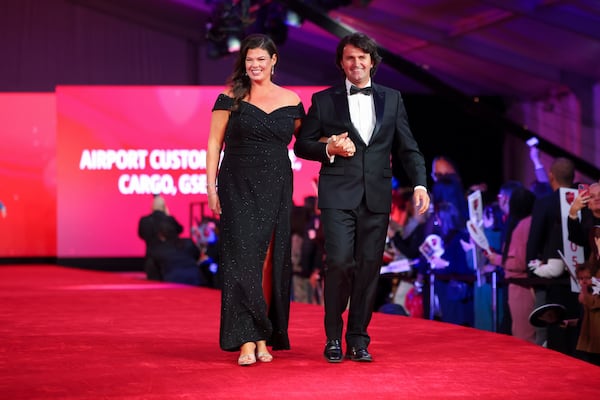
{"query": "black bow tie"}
pixel 366 90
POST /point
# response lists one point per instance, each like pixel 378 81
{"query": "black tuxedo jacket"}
pixel 545 235
pixel 343 183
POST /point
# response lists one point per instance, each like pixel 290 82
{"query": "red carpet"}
pixel 75 334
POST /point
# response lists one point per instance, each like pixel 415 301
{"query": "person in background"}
pixel 353 129
pixel 443 167
pixel 588 343
pixel 521 298
pixel 453 286
pixel 2 210
pixel 148 230
pixel 206 237
pixel 588 202
pixel 310 255
pixel 253 120
pixel 177 258
pixel 541 185
pixel 544 240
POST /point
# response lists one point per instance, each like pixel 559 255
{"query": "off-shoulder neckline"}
pixel 260 109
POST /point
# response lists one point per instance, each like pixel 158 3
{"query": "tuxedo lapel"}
pixel 342 110
pixel 379 101
pixel 340 102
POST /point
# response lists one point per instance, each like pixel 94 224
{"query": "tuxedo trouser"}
pixel 354 245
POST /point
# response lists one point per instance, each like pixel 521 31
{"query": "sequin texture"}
pixel 255 191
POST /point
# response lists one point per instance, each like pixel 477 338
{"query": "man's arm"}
pixel 407 149
pixel 308 145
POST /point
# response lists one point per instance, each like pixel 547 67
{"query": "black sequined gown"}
pixel 255 191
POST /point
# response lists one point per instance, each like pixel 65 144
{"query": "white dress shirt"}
pixel 362 112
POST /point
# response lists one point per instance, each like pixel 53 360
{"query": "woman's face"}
pixel 259 64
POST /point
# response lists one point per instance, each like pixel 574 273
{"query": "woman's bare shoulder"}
pixel 288 96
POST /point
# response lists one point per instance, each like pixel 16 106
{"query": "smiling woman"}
pixel 254 121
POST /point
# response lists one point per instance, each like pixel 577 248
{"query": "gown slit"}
pixel 267 275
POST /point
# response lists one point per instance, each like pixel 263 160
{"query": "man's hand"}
pixel 421 200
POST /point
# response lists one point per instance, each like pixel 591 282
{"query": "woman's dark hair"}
pixel 448 219
pixel 520 206
pixel 449 189
pixel 239 81
pixel 364 43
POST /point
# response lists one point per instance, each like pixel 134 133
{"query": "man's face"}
pixel 594 191
pixel 584 278
pixel 357 65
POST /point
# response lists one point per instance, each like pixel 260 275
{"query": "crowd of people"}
pixel 330 250
pixel 524 227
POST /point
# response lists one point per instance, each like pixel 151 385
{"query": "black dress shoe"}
pixel 333 351
pixel 358 354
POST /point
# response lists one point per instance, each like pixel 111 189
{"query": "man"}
pixel 149 230
pixel 588 202
pixel 363 129
pixel 545 238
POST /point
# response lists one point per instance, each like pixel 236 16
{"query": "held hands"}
pixel 340 145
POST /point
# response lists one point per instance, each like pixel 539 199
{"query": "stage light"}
pixel 233 44
pixel 292 18
pixel 232 20
pixel 225 29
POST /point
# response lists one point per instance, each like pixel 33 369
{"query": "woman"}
pixel 521 299
pixel 255 119
pixel 588 343
pixel 453 275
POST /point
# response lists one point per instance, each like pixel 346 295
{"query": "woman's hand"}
pixel 494 258
pixel 213 202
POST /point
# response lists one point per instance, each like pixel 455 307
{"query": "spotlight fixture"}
pixel 232 20
pixel 225 29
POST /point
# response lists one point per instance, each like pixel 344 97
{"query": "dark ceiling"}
pixel 514 48
pixel 519 49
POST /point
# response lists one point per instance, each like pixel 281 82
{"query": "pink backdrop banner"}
pixel 28 175
pixel 117 146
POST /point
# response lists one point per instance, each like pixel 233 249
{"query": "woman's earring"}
pixel 273 70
